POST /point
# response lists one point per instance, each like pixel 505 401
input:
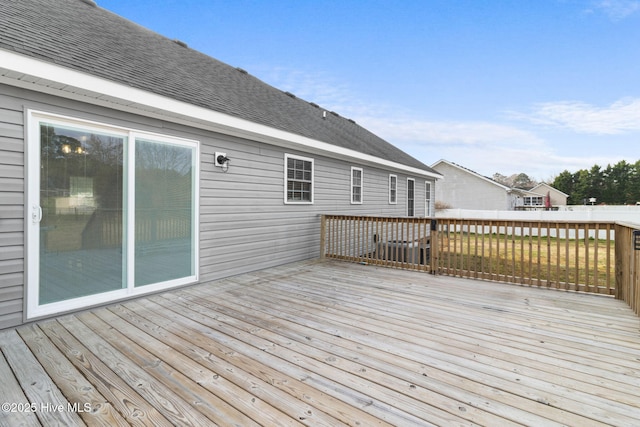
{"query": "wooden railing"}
pixel 576 256
pixel 628 264
pixel 396 242
pixel 105 229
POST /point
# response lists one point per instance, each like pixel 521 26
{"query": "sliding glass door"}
pixel 113 213
pixel 81 207
pixel 164 212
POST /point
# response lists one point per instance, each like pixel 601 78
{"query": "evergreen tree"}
pixel 634 183
pixel 565 183
pixel 617 184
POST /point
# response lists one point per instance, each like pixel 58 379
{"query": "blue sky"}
pixel 504 86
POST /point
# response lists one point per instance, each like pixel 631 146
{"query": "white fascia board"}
pixel 26 72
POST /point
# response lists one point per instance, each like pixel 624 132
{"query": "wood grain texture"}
pixel 49 404
pixel 333 343
pixel 11 393
pixel 92 407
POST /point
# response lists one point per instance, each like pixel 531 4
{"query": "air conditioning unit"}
pixel 412 252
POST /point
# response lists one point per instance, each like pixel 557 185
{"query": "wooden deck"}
pixel 330 343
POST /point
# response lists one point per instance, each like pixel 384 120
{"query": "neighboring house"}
pixel 130 163
pixel 544 195
pixel 463 188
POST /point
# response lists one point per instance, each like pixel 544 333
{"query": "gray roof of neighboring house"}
pixel 78 35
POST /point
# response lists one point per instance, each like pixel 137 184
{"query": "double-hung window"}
pixel 411 198
pixel 298 179
pixel 393 189
pixel 427 199
pixel 356 185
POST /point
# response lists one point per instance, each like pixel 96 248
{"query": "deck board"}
pixel 333 343
pixel 412 348
pixel 131 405
pixel 497 364
pixel 49 404
pixel 78 391
pixel 11 392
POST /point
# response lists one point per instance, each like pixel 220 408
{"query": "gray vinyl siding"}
pixel 244 223
pixel 11 213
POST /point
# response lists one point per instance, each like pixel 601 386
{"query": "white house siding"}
pixel 463 190
pixel 244 223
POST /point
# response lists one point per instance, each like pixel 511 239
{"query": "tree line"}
pixel 614 185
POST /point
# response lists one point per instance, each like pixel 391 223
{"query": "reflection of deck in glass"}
pixel 163 260
pixel 73 274
pixel 104 228
pixel 82 253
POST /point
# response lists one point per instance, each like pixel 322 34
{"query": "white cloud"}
pixel 400 128
pixel 317 87
pixel 484 146
pixel 479 145
pixel 620 117
pixel 618 9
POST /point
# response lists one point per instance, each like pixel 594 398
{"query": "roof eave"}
pixel 30 73
pixel 470 172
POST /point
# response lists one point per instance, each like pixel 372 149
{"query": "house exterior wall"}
pixel 244 223
pixel 514 200
pixel 558 198
pixel 11 213
pixel 463 190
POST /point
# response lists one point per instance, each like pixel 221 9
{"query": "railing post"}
pixel 323 230
pixel 618 261
pixel 434 250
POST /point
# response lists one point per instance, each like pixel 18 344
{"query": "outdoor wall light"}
pixel 221 160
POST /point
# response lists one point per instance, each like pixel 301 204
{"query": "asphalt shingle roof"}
pixel 76 35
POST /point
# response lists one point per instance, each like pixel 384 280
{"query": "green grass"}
pixel 546 261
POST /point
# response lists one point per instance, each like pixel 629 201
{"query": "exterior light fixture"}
pixel 221 160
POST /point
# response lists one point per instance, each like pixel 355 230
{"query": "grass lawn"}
pixel 581 264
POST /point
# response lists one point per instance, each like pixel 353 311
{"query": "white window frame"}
pixel 353 186
pixel 413 200
pixel 428 198
pixel 286 179
pixel 393 189
pixel 533 201
pixel 33 308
